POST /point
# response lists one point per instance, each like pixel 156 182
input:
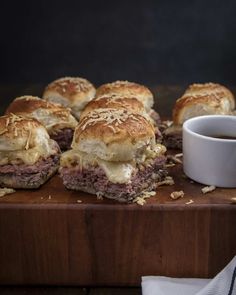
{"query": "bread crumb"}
pixel 233 200
pixel 141 200
pixel 167 123
pixel 170 165
pixel 78 201
pixel 177 195
pixel 41 198
pixel 99 196
pixel 167 181
pixel 208 189
pixel 179 155
pixel 6 191
pixel 173 159
pixel 49 197
pixel 189 202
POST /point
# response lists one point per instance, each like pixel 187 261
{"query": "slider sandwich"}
pixel 126 88
pixel 28 157
pixel 116 101
pixel 198 100
pixel 57 119
pixel 72 92
pixel 114 154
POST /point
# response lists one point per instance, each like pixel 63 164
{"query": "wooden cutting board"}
pixel 48 237
pixel 60 237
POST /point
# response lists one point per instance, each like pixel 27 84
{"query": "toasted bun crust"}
pixel 113 135
pixel 53 116
pixel 203 99
pixel 21 133
pixel 114 101
pixel 126 89
pixel 70 92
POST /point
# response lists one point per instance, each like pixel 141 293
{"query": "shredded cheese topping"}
pixel 70 84
pixel 109 116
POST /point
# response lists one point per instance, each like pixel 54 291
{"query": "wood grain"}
pixel 48 238
pixel 100 242
pixel 115 291
pixel 43 291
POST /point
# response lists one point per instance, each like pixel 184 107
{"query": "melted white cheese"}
pixel 116 172
pixel 29 156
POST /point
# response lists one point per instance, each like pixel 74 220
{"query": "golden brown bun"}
pixel 19 133
pixel 72 92
pixel 203 99
pixel 113 135
pixel 53 116
pixel 114 101
pixel 126 89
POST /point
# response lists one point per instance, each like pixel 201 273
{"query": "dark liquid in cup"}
pixel 223 137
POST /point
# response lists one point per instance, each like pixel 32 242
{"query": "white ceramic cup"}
pixel 206 159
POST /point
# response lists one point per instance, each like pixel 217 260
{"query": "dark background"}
pixel 152 42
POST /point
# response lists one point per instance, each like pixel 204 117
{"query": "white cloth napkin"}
pixel 222 284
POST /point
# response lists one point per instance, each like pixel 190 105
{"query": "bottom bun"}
pixel 29 176
pixel 93 180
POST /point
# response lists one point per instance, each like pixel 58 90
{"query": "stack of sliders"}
pixel 72 92
pixel 57 119
pixel 198 100
pixel 28 157
pixel 114 152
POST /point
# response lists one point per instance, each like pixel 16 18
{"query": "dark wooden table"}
pixel 58 241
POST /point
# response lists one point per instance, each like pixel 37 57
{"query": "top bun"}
pixel 115 101
pixel 51 115
pixel 203 99
pixel 70 92
pixel 24 139
pixel 125 88
pixel 113 135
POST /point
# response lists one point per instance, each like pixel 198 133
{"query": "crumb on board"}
pixel 170 165
pixel 167 181
pixel 49 197
pixel 189 202
pixel 208 189
pixel 233 200
pixel 176 195
pixel 6 191
pixel 141 200
pixel 78 201
pixel 173 159
pixel 167 123
pixel 99 196
pixel 41 198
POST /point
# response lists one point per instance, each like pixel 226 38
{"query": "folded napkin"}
pixel 222 284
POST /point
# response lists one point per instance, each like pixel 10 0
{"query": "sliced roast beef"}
pixel 28 176
pixel 95 181
pixel 173 141
pixel 155 116
pixel 63 137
